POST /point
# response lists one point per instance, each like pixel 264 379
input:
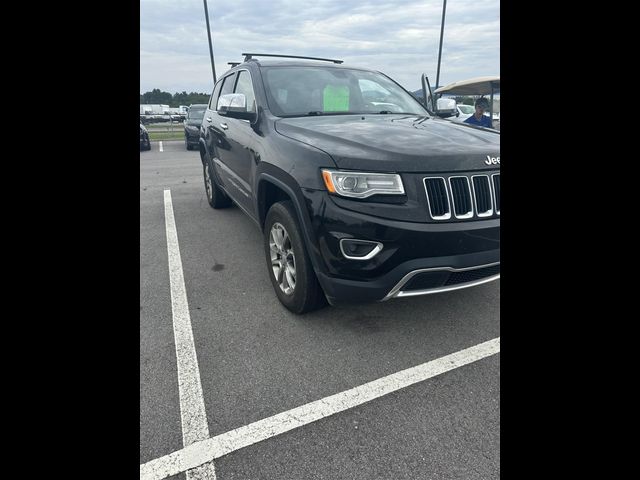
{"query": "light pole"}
pixel 213 65
pixel 444 9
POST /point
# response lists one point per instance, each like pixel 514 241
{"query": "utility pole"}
pixel 213 65
pixel 444 9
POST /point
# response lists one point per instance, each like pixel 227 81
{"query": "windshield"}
pixel 466 109
pixel 299 91
pixel 196 113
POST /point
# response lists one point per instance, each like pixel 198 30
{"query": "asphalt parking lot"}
pixel 256 360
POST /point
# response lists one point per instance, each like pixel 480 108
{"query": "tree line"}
pixel 156 96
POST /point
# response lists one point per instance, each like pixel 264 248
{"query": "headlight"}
pixel 362 185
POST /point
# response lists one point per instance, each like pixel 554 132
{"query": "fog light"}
pixel 359 249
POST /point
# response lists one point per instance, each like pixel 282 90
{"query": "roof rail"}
pixel 248 56
pixel 234 64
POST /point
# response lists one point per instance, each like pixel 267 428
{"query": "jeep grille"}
pixel 467 196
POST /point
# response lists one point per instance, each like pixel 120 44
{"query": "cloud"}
pixel 399 38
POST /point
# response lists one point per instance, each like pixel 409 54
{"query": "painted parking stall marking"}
pixel 192 411
pixel 161 148
pixel 204 451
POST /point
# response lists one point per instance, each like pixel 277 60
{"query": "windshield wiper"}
pixel 316 113
pixel 387 112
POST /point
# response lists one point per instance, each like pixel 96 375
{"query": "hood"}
pixel 193 122
pixel 395 143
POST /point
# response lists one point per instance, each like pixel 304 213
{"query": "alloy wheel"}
pixel 283 260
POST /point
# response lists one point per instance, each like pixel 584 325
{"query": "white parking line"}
pixel 194 417
pixel 216 447
pixel 161 149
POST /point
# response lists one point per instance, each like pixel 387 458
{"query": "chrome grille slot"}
pixel 461 197
pixel 496 191
pixel 482 195
pixel 437 198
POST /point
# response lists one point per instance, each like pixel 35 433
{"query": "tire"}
pixel 288 263
pixel 186 144
pixel 215 196
pixel 148 144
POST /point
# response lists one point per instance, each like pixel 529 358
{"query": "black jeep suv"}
pixel 361 193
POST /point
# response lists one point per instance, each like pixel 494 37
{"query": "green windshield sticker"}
pixel 336 98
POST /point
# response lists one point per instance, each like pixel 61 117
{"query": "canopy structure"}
pixel 472 86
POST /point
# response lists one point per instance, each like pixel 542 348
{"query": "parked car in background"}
pixel 496 120
pixel 192 125
pixel 464 112
pixel 145 143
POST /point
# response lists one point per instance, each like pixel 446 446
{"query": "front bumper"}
pixel 416 258
pixel 192 138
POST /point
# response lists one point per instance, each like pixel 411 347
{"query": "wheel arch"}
pixel 271 190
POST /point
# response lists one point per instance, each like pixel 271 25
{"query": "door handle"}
pixel 208 119
pixel 224 126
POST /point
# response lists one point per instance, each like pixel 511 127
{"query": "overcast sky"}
pixel 397 37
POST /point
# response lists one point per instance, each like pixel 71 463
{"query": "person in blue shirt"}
pixel 479 118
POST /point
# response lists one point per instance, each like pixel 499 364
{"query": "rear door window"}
pixel 245 87
pixel 214 96
pixel 227 86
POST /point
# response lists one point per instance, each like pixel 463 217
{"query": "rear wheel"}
pixel 215 196
pixel 290 269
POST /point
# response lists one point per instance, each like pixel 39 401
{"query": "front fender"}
pixel 288 185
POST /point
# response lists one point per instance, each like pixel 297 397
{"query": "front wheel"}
pixel 290 269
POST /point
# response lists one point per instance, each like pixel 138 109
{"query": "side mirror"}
pixel 234 105
pixel 446 107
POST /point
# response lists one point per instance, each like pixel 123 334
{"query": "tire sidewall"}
pixel 283 213
pixel 218 198
pixel 210 199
